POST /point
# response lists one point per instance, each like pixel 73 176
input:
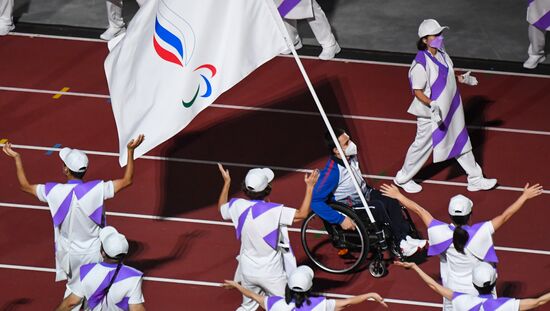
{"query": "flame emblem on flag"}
pixel 174 41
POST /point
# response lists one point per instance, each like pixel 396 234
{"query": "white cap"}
pixel 460 206
pixel 484 274
pixel 113 243
pixel 257 179
pixel 430 27
pixel 301 279
pixel 74 159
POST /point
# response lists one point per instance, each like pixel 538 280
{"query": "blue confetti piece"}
pixel 49 152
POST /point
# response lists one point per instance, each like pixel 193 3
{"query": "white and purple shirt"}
pixel 466 302
pixel 538 14
pixel 276 303
pixel 262 229
pixel 449 139
pixel 78 214
pixel 295 9
pixel 125 290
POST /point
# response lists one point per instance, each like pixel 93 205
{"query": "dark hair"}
pixel 328 139
pixel 297 297
pixel 119 258
pixel 485 290
pixel 460 236
pixel 420 45
pixel 256 195
pixel 77 175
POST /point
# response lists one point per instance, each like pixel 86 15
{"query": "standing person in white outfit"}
pixel 538 16
pixel 459 245
pixel 318 22
pixel 108 285
pixel 265 257
pixel 116 22
pixel 77 209
pixel 6 18
pixel 440 117
pixel 298 296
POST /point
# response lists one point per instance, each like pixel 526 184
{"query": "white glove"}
pixel 469 80
pixel 435 113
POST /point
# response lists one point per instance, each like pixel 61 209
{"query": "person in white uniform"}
pixel 538 17
pixel 319 25
pixel 459 245
pixel 108 285
pixel 116 22
pixel 298 295
pixel 265 257
pixel 437 105
pixel 77 208
pixel 484 280
pixel 6 18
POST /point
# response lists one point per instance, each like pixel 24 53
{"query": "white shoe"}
pixel 6 29
pixel 410 186
pixel 533 61
pixel 419 243
pixel 298 45
pixel 112 32
pixel 407 249
pixel 482 184
pixel 330 51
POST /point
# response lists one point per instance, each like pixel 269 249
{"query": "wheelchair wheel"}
pixel 377 268
pixel 330 247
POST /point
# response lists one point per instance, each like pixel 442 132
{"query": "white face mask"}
pixel 351 150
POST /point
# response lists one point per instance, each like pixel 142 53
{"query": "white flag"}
pixel 178 56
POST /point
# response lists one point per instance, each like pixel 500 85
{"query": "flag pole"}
pixel 290 44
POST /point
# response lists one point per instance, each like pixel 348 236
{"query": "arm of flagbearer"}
pixel 310 180
pixel 529 192
pixel 393 192
pixel 224 194
pixel 21 176
pixel 436 287
pixel 248 293
pixel 343 303
pixel 128 178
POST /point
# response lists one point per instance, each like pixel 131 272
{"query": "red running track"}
pixel 205 252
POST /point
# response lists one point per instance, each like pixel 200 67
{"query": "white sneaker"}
pixel 330 51
pixel 419 243
pixel 407 249
pixel 410 186
pixel 297 46
pixel 112 32
pixel 6 29
pixel 482 184
pixel 533 61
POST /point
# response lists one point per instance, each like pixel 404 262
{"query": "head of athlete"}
pixel 349 147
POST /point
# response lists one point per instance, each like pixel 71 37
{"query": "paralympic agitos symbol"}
pixel 183 46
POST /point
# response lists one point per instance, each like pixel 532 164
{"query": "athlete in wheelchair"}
pixel 338 234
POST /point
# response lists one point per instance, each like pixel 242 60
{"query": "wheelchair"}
pixel 339 251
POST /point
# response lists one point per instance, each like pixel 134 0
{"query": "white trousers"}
pixel 268 286
pixel 319 25
pixel 6 10
pixel 421 149
pixel 537 41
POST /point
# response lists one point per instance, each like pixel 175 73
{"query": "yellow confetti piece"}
pixel 58 95
pixel 3 140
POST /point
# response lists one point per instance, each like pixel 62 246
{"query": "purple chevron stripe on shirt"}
pixel 63 210
pixel 529 2
pixel 82 189
pixel 441 81
pixel 472 230
pixel 494 304
pixel 439 248
pixel 460 142
pixel 231 202
pixel 262 207
pixel 441 131
pixel 315 301
pixel 272 300
pixel 272 239
pixel 85 269
pixel 287 6
pixel 491 255
pixel 124 273
pixel 97 216
pixel 241 221
pixel 544 22
pixel 123 304
pixel 421 58
pixel 49 186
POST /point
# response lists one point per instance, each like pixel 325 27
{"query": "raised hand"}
pixel 134 143
pixel 225 173
pixel 227 284
pixel 530 192
pixel 406 265
pixel 390 191
pixel 378 298
pixel 311 179
pixel 9 152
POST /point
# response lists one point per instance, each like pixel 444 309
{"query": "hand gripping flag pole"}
pixel 290 44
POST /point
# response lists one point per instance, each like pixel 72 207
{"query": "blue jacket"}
pixel 323 193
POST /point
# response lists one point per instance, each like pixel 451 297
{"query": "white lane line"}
pixel 246 165
pixel 285 111
pixel 228 224
pixel 342 60
pixel 217 284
